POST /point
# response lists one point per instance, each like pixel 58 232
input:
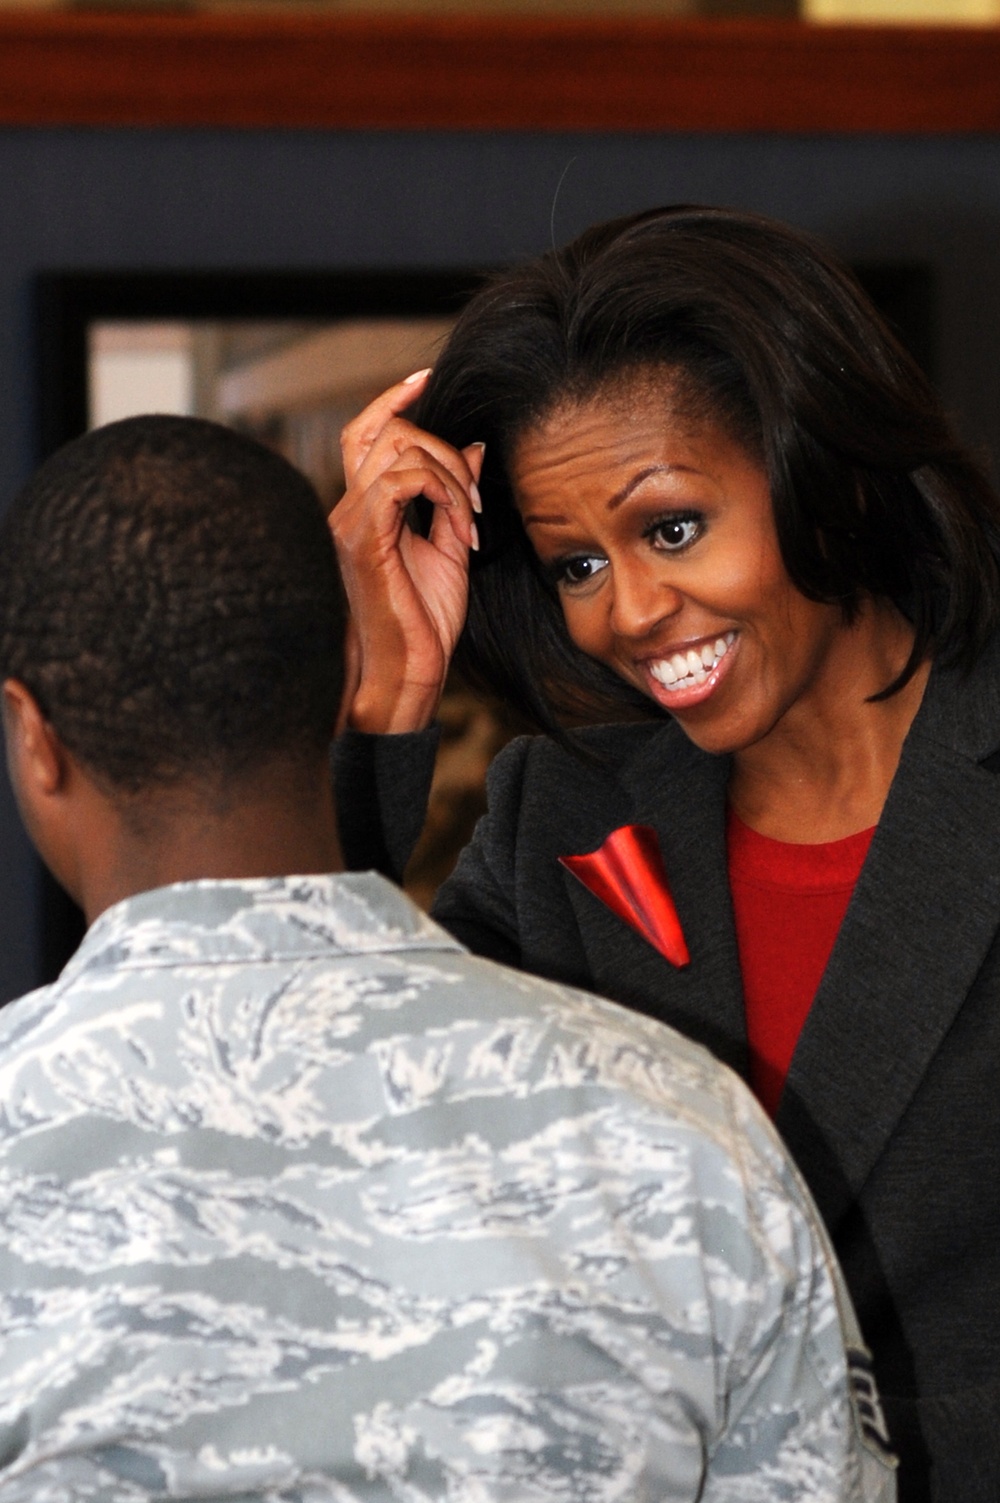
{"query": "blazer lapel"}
pixel 680 791
pixel 922 917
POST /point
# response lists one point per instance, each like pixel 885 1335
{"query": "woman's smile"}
pixel 658 533
pixel 690 674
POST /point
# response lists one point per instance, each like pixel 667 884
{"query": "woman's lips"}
pixel 688 677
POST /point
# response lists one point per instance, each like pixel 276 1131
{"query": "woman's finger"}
pixel 362 431
pixel 474 454
pixel 376 510
pixel 399 437
pixel 447 501
pixel 373 440
pixel 453 532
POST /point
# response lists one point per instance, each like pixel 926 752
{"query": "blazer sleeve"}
pixel 381 787
pixel 478 903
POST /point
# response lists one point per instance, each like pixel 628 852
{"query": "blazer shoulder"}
pixel 596 753
pixel 960 711
pixel 544 796
pixel 538 790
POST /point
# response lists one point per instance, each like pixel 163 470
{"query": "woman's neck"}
pixel 824 771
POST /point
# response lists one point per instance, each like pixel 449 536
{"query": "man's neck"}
pixel 257 826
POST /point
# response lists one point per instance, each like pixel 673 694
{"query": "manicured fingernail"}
pixel 475 535
pixel 417 376
pixel 475 497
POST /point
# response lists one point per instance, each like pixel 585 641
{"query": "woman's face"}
pixel 658 532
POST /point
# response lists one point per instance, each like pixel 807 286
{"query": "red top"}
pixel 789 902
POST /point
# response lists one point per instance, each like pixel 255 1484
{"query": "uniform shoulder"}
pixel 606 1046
pixel 23 1014
pixel 30 1025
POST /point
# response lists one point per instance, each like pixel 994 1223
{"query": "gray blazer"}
pixel 892 1104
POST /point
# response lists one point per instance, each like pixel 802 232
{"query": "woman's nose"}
pixel 642 598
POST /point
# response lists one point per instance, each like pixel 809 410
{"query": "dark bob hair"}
pixel 757 327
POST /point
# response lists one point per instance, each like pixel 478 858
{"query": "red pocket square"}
pixel 627 873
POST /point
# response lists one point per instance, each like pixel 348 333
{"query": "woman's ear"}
pixel 35 755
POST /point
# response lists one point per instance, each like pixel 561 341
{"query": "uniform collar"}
pixel 265 918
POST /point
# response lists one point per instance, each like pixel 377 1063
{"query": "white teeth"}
pixel 684 669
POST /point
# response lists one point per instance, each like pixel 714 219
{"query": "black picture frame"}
pixel 68 302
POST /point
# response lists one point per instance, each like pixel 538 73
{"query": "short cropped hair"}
pixel 169 595
pixel 755 326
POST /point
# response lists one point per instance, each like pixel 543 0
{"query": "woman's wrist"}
pixel 412 707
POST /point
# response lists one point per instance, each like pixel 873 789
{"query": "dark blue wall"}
pixel 189 199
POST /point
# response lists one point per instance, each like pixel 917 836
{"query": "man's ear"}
pixel 35 755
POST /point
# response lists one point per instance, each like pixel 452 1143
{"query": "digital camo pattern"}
pixel 301 1202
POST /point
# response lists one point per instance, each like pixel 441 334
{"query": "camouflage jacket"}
pixel 299 1201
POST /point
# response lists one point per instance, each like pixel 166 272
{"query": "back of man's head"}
pixel 169 595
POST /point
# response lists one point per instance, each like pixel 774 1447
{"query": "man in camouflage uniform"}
pixel 299 1201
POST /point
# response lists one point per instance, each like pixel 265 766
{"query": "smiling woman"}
pixel 658 534
pixel 720 510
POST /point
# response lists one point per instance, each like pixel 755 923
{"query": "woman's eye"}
pixel 673 533
pixel 578 571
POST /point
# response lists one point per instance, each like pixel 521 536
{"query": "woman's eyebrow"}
pixel 653 469
pixel 557 519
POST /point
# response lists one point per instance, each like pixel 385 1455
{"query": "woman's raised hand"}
pixel 407 594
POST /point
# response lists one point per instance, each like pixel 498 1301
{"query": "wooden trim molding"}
pixel 405 72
